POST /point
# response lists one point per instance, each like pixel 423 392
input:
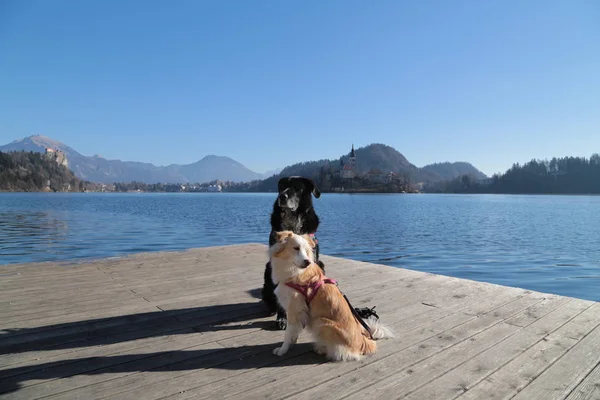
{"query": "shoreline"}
pixel 340 192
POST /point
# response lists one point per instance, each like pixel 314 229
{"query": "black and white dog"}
pixel 293 210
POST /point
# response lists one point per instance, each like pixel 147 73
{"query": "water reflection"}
pixel 25 233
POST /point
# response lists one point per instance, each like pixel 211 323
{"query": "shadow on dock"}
pixel 126 328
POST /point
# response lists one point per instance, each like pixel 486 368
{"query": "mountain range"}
pixel 98 169
pixel 372 157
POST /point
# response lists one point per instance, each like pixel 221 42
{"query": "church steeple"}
pixel 348 170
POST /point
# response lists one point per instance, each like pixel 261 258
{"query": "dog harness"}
pixel 303 289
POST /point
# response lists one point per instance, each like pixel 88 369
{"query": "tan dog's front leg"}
pixel 291 336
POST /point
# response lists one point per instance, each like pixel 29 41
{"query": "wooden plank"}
pixel 24 308
pixel 382 375
pixel 532 314
pixel 206 253
pixel 173 270
pixel 507 381
pixel 510 378
pixel 134 306
pixel 125 359
pixel 50 269
pixel 250 351
pixel 234 381
pixel 179 380
pixel 119 334
pixel 419 373
pixel 565 374
pixel 418 340
pixel 59 292
pixel 80 335
pixel 187 282
pixel 582 324
pixel 63 334
pixel 559 317
pixel 482 304
pixel 417 316
pixel 194 320
pixel 115 300
pixel 459 380
pixel 83 373
pixel 124 353
pixel 455 370
pixel 42 317
pixel 59 279
pixel 589 388
pixel 193 295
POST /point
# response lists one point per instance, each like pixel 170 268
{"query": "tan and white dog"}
pixel 313 301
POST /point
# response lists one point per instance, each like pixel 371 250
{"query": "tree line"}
pixel 567 175
pixel 29 171
pixel 33 172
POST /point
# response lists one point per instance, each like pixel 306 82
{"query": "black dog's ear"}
pixel 316 192
pixel 281 183
pixel 313 188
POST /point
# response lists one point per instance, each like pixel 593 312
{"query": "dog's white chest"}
pixel 285 295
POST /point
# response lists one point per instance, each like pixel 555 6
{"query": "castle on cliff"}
pixel 58 156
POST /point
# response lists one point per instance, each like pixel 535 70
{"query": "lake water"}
pixel 543 243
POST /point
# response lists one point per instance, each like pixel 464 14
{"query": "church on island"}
pixel 348 173
pixel 348 170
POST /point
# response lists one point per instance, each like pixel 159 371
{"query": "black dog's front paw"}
pixel 281 324
pixel 281 320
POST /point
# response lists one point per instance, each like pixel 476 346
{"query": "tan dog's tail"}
pixel 378 330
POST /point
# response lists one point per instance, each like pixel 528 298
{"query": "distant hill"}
pixel 211 168
pixel 565 175
pixel 99 169
pixel 382 157
pixel 33 172
pixel 375 156
pixel 386 159
pixel 448 171
pixel 269 174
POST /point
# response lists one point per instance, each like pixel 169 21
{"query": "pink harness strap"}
pixel 303 289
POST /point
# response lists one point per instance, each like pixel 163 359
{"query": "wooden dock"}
pixel 189 325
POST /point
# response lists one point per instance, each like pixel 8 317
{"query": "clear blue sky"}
pixel 270 83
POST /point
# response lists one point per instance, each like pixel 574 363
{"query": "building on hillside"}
pixel 348 170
